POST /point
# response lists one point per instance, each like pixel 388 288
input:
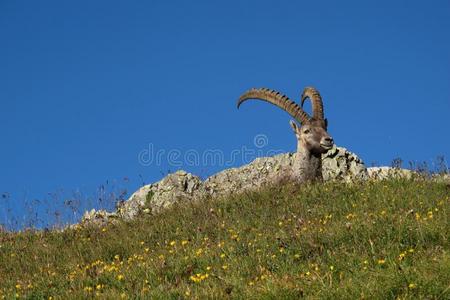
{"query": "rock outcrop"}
pixel 337 164
pixel 97 217
pixel 380 173
pixel 154 197
pixel 340 164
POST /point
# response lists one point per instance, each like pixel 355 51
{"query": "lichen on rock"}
pixel 172 188
pixel 340 164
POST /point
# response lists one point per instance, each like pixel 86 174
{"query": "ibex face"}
pixel 312 138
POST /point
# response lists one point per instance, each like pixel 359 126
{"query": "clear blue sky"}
pixel 85 86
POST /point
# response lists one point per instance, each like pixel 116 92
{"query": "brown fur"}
pixel 312 141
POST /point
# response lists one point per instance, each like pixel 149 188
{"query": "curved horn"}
pixel 276 99
pixel 316 101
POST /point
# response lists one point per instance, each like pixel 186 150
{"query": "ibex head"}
pixel 312 136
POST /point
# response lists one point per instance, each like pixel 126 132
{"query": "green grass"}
pixel 377 240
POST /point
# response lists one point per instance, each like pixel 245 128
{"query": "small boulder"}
pixel 380 173
pixel 178 186
pixel 340 164
pixel 98 217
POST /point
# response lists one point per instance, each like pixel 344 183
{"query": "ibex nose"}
pixel 328 139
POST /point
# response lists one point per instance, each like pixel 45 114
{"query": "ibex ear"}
pixel 295 127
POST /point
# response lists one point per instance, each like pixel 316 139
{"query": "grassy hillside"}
pixel 382 240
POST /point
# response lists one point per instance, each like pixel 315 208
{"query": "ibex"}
pixel 312 137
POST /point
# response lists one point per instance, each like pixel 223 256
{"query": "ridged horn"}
pixel 316 101
pixel 276 99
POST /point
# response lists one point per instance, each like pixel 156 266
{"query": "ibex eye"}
pixel 306 131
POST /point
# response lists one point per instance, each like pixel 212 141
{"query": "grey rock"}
pixel 337 164
pixel 156 196
pixel 340 164
pixel 259 173
pixel 98 217
pixel 380 173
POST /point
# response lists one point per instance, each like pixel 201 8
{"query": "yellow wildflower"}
pixel 199 277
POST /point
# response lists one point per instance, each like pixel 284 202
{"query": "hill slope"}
pixel 383 239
